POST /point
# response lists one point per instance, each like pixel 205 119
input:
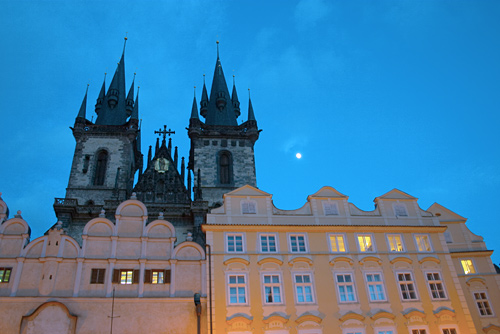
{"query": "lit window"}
pixel 126 276
pixel 268 243
pixel 395 243
pixel 400 210
pixel 449 331
pixel 375 287
pixel 272 289
pixel 436 286
pixel 345 286
pixel 97 276
pixel 298 243
pixel 234 242
pixel 365 243
pixel 248 207
pixel 330 208
pixel 337 243
pixel 407 286
pixel 303 288
pixel 482 303
pixel 157 276
pixel 5 275
pixel 237 289
pixel 423 243
pixel 468 266
pixel 418 331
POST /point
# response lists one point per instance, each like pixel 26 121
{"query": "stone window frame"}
pixel 290 243
pixel 406 283
pixel 272 285
pixel 330 243
pixel 345 285
pixel 483 303
pixel 237 285
pixel 268 234
pixel 435 281
pixel 375 283
pixel 372 240
pixel 471 266
pixel 421 247
pixel 97 275
pixel 333 206
pixel 227 236
pixel 389 243
pixel 303 285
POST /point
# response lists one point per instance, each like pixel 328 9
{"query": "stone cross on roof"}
pixel 164 132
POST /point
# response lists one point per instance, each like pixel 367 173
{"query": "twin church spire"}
pixel 115 106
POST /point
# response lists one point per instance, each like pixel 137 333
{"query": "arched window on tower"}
pixel 100 168
pixel 225 167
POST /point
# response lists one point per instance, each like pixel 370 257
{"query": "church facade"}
pixel 195 247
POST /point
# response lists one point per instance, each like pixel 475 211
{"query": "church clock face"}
pixel 161 165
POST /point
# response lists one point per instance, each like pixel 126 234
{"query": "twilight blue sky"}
pixel 376 95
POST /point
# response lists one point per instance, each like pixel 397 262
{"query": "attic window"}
pixel 400 210
pixel 330 208
pixel 248 207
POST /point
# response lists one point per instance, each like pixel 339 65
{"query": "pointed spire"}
pixel 217 50
pixel 135 112
pixel 189 183
pixel 204 99
pixel 251 115
pixel 157 147
pixel 83 107
pixel 169 145
pixel 234 99
pixel 102 95
pixel 183 169
pixel 130 98
pixel 175 157
pixel 149 155
pixel 194 109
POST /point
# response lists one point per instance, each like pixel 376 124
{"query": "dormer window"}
pixel 400 210
pixel 248 207
pixel 330 208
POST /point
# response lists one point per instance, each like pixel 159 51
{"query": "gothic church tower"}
pixel 107 154
pixel 222 152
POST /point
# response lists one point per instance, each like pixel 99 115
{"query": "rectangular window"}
pixel 423 243
pixel 449 331
pixel 157 276
pixel 248 207
pixel 400 210
pixel 330 208
pixel 482 303
pixel 237 288
pixel 407 286
pixel 448 238
pixel 436 286
pixel 298 243
pixel 385 332
pixel 125 276
pixel 375 287
pixel 268 243
pixel 5 275
pixel 365 243
pixel 395 243
pixel 97 276
pixel 468 266
pixel 345 286
pixel 234 243
pixel 272 289
pixel 337 243
pixel 418 331
pixel 304 288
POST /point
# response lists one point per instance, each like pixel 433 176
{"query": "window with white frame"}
pixel 447 237
pixel 385 331
pixel 423 243
pixel 483 304
pixel 297 243
pixel 237 289
pixel 330 208
pixel 248 207
pixel 407 286
pixel 375 285
pixel 436 286
pixel 235 242
pixel 468 266
pixel 268 242
pixel 400 210
pixel 365 242
pixel 337 243
pixel 271 284
pixel 345 288
pixel 303 288
pixel 449 331
pixel 395 243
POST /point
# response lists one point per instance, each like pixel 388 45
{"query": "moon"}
pixel 298 155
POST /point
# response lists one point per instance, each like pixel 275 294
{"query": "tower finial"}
pixel 125 41
pixel 217 49
pixel 194 91
pixel 234 82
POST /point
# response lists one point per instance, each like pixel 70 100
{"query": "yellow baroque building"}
pixel 329 267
